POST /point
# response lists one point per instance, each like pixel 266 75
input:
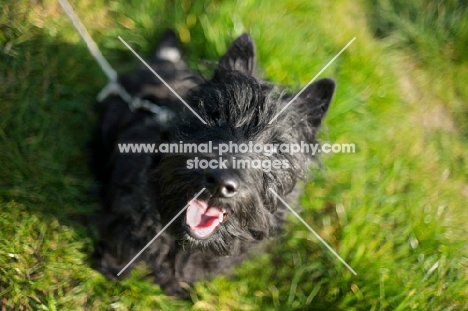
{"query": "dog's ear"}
pixel 316 99
pixel 240 56
pixel 169 48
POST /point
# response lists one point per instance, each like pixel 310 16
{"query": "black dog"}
pixel 142 192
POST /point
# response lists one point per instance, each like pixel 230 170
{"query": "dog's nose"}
pixel 221 183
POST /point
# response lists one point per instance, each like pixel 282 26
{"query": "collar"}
pixel 162 115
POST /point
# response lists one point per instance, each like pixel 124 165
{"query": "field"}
pixel 395 210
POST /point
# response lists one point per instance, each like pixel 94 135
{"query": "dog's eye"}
pixel 220 122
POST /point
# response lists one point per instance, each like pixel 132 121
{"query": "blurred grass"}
pixel 394 210
pixel 435 34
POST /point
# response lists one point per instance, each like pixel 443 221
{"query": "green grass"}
pixel 437 41
pixel 395 210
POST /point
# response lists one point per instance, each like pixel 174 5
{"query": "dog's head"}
pixel 240 110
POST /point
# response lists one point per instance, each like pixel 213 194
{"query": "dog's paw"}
pixel 174 288
pixel 108 265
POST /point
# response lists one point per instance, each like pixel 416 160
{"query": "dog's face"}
pixel 237 205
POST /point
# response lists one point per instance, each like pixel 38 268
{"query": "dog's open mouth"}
pixel 202 220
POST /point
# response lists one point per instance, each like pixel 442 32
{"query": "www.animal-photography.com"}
pixel 233 155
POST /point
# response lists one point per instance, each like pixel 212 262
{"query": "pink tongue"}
pixel 203 219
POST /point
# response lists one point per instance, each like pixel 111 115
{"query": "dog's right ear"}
pixel 240 56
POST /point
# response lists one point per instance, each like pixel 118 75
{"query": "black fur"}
pixel 143 192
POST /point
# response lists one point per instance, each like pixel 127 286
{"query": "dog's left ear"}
pixel 316 99
pixel 240 56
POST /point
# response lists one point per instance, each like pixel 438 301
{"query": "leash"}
pixel 160 114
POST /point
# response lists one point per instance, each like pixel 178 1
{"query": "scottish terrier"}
pixel 142 192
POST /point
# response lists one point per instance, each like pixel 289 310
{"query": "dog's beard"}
pixel 216 225
pixel 227 226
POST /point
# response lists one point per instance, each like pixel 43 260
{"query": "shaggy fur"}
pixel 143 192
